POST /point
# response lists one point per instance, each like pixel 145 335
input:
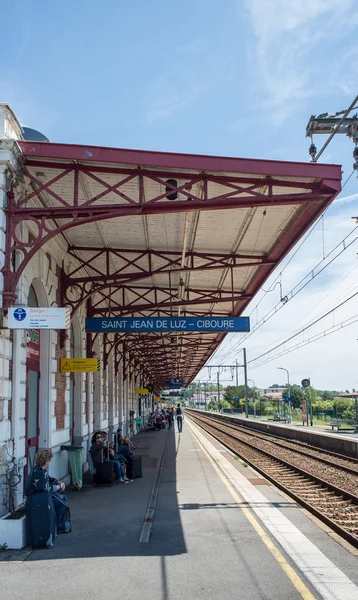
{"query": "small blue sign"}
pixel 174 381
pixel 139 324
pixel 173 386
pixel 236 399
pixel 285 399
pixel 19 314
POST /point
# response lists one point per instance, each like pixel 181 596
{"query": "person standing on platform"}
pixel 180 417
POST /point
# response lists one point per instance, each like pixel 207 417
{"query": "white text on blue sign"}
pixel 111 324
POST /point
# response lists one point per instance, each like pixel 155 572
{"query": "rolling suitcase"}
pixel 40 511
pixel 40 519
pixel 134 467
pixel 103 474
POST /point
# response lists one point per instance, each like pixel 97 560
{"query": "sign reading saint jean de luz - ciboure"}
pixel 20 317
pixel 135 324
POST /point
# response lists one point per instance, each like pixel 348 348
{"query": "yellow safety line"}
pixel 285 566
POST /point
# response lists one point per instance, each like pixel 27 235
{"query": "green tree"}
pixel 327 394
pixel 231 391
pixel 296 393
pixel 212 405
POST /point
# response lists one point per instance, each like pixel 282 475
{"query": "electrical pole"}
pixel 237 373
pixel 246 396
pixel 218 376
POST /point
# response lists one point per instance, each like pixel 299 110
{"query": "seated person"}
pixel 39 480
pixel 124 440
pixel 112 454
pixel 101 453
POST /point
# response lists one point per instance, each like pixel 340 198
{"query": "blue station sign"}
pixel 136 324
pixel 175 381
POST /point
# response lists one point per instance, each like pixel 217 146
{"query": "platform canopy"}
pixel 151 233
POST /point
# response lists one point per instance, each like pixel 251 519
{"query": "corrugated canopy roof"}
pixel 200 245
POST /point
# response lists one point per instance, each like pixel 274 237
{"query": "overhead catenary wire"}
pixel 319 302
pixel 221 349
pixel 336 128
pixel 317 336
pixel 308 326
pixel 306 280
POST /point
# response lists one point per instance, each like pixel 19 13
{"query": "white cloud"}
pixel 291 44
pixel 346 199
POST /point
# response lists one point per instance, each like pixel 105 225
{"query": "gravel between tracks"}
pixel 330 473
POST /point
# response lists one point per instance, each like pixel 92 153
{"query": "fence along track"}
pixel 335 506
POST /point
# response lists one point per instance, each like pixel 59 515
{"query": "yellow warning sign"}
pixel 141 391
pixel 79 365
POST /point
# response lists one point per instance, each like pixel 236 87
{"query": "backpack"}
pixel 179 412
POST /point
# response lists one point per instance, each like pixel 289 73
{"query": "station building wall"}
pixel 70 407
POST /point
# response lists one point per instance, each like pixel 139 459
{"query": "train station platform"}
pixel 199 524
pixel 321 429
pixel 344 442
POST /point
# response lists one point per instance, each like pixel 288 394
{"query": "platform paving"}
pixel 202 544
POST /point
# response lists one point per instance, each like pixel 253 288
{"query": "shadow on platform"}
pixel 107 522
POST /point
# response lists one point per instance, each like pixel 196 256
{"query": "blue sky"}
pixel 233 78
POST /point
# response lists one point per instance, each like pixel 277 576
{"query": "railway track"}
pixel 322 485
pixel 334 459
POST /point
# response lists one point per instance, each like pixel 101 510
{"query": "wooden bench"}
pixel 278 420
pixel 335 423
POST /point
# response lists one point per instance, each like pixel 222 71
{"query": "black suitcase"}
pixel 103 474
pixel 40 519
pixel 134 467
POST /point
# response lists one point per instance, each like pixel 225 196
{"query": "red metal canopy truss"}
pixel 136 265
pixel 62 187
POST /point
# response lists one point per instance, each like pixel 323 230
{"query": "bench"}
pixel 338 423
pixel 278 420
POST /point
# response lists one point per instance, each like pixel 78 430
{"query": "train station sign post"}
pixel 145 324
pixel 306 383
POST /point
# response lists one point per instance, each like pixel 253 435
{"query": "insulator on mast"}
pixel 312 151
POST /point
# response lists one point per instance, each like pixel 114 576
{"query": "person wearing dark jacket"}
pixel 180 417
pixel 99 452
pixel 39 480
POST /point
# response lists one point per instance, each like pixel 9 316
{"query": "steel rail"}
pixel 352 539
pixel 279 442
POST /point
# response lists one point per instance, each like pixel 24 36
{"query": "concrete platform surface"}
pixel 219 531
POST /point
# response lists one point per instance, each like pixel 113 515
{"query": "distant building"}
pixel 272 390
pixel 274 396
